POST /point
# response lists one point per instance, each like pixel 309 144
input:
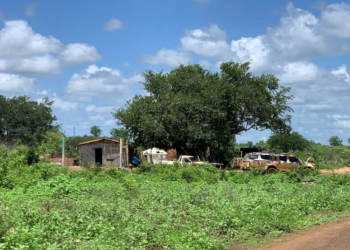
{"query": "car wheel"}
pixel 271 171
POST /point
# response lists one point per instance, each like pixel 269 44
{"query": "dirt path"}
pixel 344 170
pixel 332 236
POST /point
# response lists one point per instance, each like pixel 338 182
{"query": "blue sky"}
pixel 88 55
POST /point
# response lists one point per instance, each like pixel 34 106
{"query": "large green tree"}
pixel 24 119
pixel 335 141
pixel 285 142
pixel 192 109
pixel 96 131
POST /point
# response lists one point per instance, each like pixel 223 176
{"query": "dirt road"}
pixel 344 170
pixel 332 236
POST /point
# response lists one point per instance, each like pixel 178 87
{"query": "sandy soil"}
pixel 344 170
pixel 332 236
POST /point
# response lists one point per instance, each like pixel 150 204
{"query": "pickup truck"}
pixel 275 163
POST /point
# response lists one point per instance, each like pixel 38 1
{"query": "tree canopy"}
pixel 119 133
pixel 96 131
pixel 24 119
pixel 335 141
pixel 285 142
pixel 192 109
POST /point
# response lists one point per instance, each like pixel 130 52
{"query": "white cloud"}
pixel 78 53
pixel 341 124
pixel 335 20
pixel 96 81
pixel 46 64
pixel 30 9
pixel 296 72
pixel 253 50
pixel 300 36
pixel 15 83
pixel 168 57
pixel 209 43
pixel 17 39
pixel 23 51
pixel 342 73
pixel 113 24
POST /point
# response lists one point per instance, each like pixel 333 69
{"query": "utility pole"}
pixel 63 148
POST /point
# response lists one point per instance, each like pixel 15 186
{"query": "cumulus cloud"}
pixel 99 80
pixel 296 72
pixel 15 83
pixel 253 50
pixel 45 64
pixel 168 57
pixel 342 73
pixel 209 42
pixel 335 20
pixel 17 39
pixel 113 24
pixel 23 51
pixel 78 53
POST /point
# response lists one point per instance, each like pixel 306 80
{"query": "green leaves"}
pixel 24 119
pixel 96 131
pixel 192 109
pixel 335 141
pixel 286 142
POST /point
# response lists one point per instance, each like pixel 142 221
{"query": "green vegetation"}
pixel 24 119
pixel 48 207
pixel 288 142
pixel 335 141
pixel 96 131
pixel 192 109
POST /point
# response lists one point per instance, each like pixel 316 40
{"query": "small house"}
pixel 105 150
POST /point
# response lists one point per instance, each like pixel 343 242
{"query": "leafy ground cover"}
pixel 159 207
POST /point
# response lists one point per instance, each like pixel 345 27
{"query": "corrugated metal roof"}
pixel 99 140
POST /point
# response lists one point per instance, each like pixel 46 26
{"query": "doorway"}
pixel 98 155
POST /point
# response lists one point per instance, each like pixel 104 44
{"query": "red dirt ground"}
pixel 344 170
pixel 332 236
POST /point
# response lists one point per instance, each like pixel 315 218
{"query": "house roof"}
pixel 98 140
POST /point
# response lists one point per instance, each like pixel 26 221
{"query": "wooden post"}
pixel 127 153
pixel 120 152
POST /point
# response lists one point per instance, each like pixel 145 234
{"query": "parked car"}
pixel 251 160
pixel 279 162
